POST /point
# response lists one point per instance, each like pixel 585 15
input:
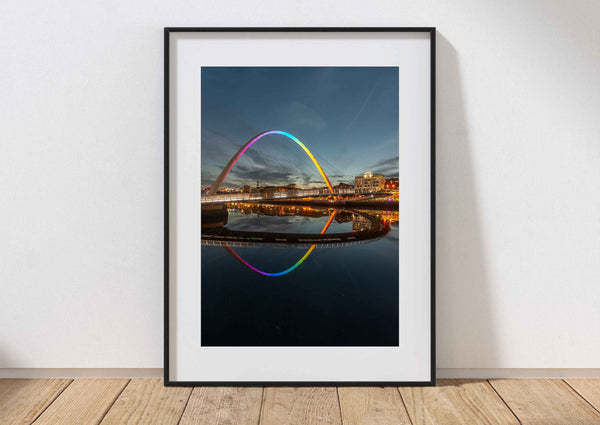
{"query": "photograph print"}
pixel 299 206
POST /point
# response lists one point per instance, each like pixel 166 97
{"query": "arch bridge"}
pixel 215 187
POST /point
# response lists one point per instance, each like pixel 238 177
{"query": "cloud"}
pixel 272 175
pixel 207 178
pixel 392 172
pixel 259 158
pixel 388 167
pixel 386 162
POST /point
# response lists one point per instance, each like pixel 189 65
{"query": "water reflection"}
pixel 342 291
pixel 299 213
pixel 286 271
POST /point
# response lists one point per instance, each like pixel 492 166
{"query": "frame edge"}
pixel 166 355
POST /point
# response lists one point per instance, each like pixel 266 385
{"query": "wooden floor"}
pixel 146 401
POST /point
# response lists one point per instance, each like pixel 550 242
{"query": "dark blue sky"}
pixel 346 116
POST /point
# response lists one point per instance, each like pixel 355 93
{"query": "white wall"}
pixel 518 175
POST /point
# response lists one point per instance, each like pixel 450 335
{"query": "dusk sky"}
pixel 346 116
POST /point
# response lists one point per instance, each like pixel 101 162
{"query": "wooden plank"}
pixel 302 405
pixel 84 402
pixel 372 406
pixel 545 401
pixel 148 401
pixel 587 388
pixel 456 401
pixel 22 400
pixel 223 406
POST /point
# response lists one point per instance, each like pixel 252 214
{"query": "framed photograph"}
pixel 299 206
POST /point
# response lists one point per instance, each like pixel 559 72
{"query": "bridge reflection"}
pixel 286 271
pixel 367 227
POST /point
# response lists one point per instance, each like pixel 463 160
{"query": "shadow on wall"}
pixel 6 360
pixel 465 325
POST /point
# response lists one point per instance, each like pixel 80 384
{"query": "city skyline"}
pixel 295 186
pixel 347 117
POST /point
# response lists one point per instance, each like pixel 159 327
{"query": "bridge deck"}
pixel 288 194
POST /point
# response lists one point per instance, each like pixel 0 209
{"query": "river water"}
pixel 344 296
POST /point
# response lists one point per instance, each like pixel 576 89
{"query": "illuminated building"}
pixel 360 223
pixel 369 182
pixel 391 183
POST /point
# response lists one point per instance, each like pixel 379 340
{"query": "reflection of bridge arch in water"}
pixel 286 271
pixel 240 152
pixel 379 231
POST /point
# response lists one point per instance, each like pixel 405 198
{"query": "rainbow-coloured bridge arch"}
pixel 219 181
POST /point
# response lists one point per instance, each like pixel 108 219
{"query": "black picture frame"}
pixel 432 33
